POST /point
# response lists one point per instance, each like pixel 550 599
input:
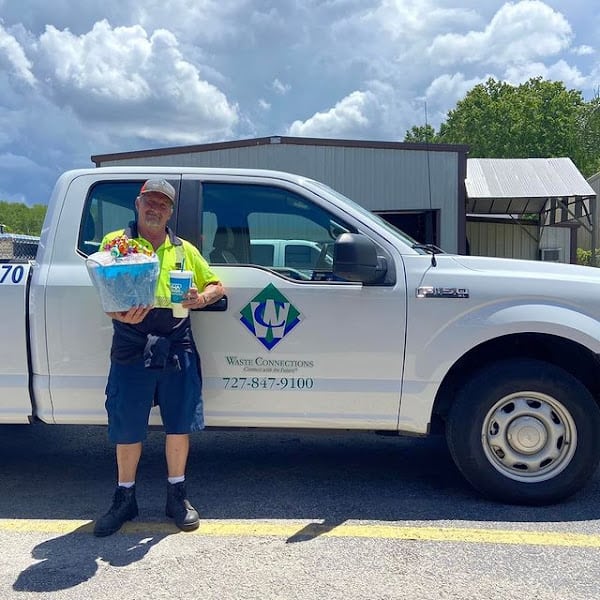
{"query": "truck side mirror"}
pixel 355 259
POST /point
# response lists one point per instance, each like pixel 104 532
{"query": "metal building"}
pixel 594 182
pixel 529 208
pixel 590 241
pixel 532 208
pixel 418 187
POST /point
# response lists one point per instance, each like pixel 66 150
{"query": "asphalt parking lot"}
pixel 284 515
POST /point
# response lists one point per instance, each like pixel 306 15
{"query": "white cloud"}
pixel 583 50
pixel 133 74
pixel 408 20
pixel 373 113
pixel 450 88
pixel 445 91
pixel 133 83
pixel 13 57
pixel 203 21
pixel 559 71
pixel 518 33
pixel 280 88
pixel 350 117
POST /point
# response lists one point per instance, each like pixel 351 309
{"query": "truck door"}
pixel 78 333
pixel 295 348
pixel 14 367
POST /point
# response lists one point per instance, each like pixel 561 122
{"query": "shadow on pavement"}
pixel 69 560
pixel 68 472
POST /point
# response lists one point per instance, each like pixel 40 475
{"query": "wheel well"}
pixel 568 355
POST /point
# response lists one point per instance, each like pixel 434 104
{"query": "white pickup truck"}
pixel 502 356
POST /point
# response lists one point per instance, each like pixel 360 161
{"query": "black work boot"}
pixel 179 507
pixel 124 508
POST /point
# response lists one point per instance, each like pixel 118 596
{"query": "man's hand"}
pixel 192 298
pixel 212 292
pixel 134 315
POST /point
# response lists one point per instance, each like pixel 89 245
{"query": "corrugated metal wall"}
pixel 376 178
pixel 504 240
pixel 517 240
pixel 584 238
pixel 557 238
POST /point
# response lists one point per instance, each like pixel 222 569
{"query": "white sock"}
pixel 126 484
pixel 173 480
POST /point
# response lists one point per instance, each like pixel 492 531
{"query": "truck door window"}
pixel 301 256
pixel 209 228
pixel 270 227
pixel 262 252
pixel 110 206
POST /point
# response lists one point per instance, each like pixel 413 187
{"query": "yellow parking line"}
pixel 308 530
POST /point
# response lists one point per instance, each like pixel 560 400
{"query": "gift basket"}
pixel 124 273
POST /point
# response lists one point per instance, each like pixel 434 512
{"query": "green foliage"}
pixel 422 134
pixel 588 123
pixel 20 218
pixel 538 118
pixel 584 257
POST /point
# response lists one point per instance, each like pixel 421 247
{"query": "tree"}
pixel 20 218
pixel 422 134
pixel 535 119
pixel 589 132
pixel 538 118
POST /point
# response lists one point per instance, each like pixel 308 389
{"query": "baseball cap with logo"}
pixel 159 186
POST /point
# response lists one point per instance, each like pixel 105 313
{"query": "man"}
pixel 154 359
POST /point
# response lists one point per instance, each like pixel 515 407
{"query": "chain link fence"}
pixel 18 248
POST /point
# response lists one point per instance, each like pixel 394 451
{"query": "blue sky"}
pixel 83 78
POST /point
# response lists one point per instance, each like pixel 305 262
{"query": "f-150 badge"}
pixel 427 291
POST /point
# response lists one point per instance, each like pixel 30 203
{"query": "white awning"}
pixel 521 185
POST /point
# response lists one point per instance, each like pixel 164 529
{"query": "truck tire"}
pixel 524 431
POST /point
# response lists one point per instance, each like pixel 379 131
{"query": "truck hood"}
pixel 503 267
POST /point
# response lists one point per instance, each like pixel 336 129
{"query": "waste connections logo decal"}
pixel 270 316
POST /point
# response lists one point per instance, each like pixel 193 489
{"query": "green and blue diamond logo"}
pixel 270 316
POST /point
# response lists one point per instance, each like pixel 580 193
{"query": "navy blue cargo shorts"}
pixel 132 389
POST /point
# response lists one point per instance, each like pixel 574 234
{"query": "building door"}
pixel 421 225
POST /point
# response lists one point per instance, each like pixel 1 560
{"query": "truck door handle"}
pixel 218 306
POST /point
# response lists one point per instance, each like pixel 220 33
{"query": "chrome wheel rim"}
pixel 529 436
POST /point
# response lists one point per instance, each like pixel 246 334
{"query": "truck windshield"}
pixel 398 233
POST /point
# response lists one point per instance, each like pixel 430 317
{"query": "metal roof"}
pixel 521 185
pixel 100 159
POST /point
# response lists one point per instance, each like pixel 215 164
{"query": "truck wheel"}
pixel 525 432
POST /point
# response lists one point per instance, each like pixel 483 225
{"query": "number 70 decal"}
pixel 13 274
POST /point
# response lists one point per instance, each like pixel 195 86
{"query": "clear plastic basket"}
pixel 123 282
